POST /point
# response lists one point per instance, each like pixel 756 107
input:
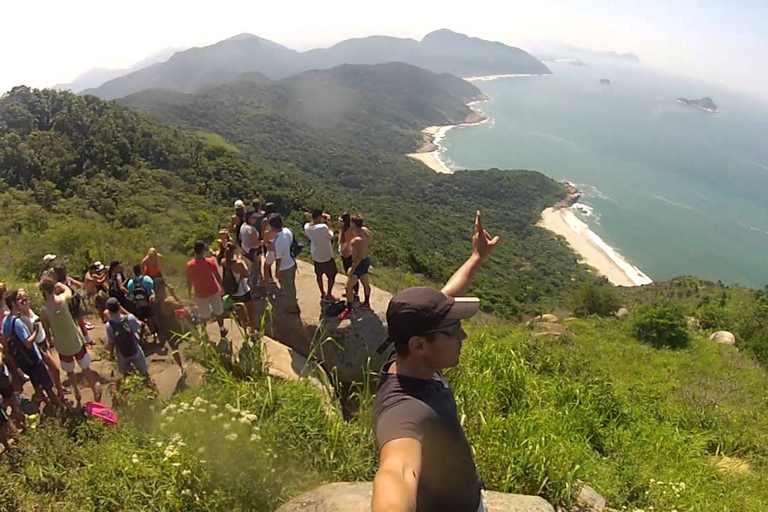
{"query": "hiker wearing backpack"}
pixel 236 269
pixel 141 290
pixel 68 340
pixel 76 304
pixel 286 250
pixel 22 352
pixel 123 337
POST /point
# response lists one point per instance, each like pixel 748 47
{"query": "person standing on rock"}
pixel 361 263
pixel 203 276
pixel 60 326
pixel 285 263
pixel 251 246
pixel 321 248
pixel 426 462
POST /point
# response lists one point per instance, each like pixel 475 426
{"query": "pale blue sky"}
pixel 52 41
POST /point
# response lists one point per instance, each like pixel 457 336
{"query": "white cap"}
pixel 239 204
pixel 99 265
pixel 48 258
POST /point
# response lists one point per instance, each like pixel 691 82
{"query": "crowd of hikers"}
pixel 426 462
pixel 255 260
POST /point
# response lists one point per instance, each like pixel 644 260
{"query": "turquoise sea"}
pixel 675 190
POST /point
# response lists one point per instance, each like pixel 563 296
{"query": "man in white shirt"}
pixel 285 264
pixel 321 248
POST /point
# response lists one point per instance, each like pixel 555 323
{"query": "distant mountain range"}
pixel 554 51
pixel 97 76
pixel 442 51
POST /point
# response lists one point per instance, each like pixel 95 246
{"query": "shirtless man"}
pixel 361 263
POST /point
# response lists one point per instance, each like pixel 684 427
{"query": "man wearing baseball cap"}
pixel 426 462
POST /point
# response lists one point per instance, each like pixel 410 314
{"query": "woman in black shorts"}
pixel 235 281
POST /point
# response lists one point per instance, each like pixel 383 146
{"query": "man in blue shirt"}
pixel 122 333
pixel 23 352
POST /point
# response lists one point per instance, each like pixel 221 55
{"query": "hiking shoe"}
pixel 344 314
pixel 223 331
pixel 365 306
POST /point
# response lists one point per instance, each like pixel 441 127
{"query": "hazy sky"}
pixel 45 42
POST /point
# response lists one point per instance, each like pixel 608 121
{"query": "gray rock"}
pixel 622 312
pixel 356 497
pixel 723 338
pixel 588 499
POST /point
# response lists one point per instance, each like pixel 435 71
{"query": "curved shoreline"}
pixel 592 249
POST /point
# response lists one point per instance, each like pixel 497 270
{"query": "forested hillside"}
pixel 98 169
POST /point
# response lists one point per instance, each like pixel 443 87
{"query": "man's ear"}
pixel 416 344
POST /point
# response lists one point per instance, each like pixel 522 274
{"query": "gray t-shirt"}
pixel 425 410
pixel 246 230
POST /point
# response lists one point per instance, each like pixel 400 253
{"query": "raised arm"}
pixel 396 481
pixel 482 245
pixel 63 291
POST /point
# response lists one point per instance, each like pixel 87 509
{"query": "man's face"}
pixel 445 350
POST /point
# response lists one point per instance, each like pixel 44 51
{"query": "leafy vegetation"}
pixel 594 299
pixel 661 325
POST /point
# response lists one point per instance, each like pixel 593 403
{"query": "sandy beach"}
pixel 591 248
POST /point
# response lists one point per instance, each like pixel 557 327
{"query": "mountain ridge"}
pixel 441 51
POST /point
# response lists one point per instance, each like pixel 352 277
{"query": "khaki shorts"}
pixel 209 306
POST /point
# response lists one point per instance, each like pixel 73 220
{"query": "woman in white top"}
pixel 29 317
pixel 235 280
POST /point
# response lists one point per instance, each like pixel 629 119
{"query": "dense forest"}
pixel 95 165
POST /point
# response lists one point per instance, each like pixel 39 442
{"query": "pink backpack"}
pixel 101 412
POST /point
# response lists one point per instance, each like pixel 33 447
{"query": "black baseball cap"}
pixel 113 305
pixel 419 310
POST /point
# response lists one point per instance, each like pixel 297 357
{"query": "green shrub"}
pixel 661 325
pixel 712 316
pixel 594 299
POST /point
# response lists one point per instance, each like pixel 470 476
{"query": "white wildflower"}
pixel 186 472
pixel 199 401
pixel 231 437
pixel 201 449
pixel 135 459
pixel 226 426
pixel 186 492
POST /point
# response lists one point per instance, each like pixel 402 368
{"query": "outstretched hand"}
pixel 482 242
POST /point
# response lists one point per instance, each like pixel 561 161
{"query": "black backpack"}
pixel 140 295
pixel 296 246
pixel 20 353
pixel 114 291
pixel 5 378
pixel 229 282
pixel 76 304
pixel 124 338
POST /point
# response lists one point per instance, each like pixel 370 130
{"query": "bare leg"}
pixel 93 382
pixel 250 307
pixel 53 370
pixel 73 380
pixel 350 292
pixel 16 413
pixel 331 282
pixel 320 285
pixel 366 288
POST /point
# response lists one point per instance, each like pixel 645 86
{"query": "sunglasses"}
pixel 448 330
pixel 23 300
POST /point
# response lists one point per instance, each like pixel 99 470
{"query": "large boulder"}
pixel 723 338
pixel 346 348
pixel 356 497
pixel 622 312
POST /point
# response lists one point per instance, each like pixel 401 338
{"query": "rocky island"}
pixel 706 104
pixel 605 81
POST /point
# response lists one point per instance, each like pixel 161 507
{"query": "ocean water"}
pixel 675 190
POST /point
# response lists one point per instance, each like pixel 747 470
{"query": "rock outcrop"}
pixel 345 348
pixel 723 338
pixel 356 497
